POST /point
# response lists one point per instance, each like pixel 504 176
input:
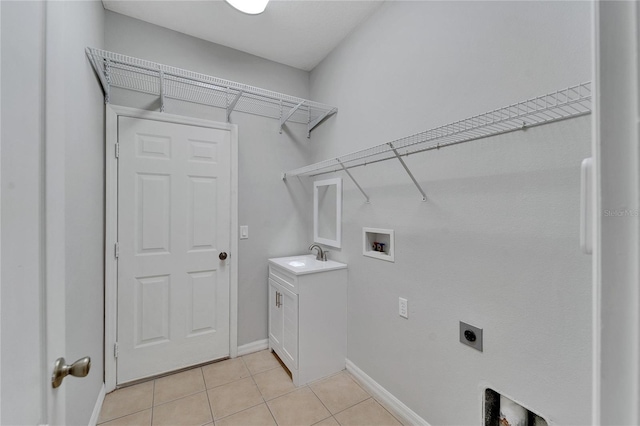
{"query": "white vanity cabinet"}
pixel 308 316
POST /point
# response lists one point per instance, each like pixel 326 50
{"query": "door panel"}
pixel 275 314
pixel 202 290
pixel 202 213
pixel 153 213
pixel 290 325
pixel 151 310
pixel 173 221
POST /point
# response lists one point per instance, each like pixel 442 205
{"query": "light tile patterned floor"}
pixel 250 390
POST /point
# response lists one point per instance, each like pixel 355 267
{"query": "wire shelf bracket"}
pixel 231 105
pixel 161 76
pixel 291 112
pixel 415 182
pixel 313 124
pixel 571 102
pixel 106 81
pixel 167 82
pixel 366 197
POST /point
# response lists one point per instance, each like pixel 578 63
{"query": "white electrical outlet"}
pixel 244 232
pixel 403 309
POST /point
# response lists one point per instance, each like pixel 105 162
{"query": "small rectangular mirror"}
pixel 327 212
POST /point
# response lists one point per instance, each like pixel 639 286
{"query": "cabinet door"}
pixel 289 302
pixel 275 315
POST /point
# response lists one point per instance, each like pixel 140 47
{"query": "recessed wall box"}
pixel 378 243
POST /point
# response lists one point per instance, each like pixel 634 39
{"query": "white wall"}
pixel 269 207
pixel 496 245
pixel 22 212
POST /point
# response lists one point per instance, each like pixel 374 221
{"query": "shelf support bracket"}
pixel 161 73
pixel 312 124
pixel 415 182
pixel 291 112
pixel 233 103
pixel 107 76
pixel 354 181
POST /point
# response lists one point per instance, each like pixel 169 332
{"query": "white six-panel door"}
pixel 173 223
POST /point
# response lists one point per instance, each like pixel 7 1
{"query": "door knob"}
pixel 80 368
pixel 222 255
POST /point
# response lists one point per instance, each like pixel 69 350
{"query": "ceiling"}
pixel 299 33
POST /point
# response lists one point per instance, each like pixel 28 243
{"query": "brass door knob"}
pixel 80 368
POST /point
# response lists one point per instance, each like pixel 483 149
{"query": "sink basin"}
pixel 306 264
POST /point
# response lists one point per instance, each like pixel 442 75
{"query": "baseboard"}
pixel 252 347
pixel 393 404
pixel 93 421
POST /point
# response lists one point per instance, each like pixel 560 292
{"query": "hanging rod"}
pixel 116 70
pixel 571 102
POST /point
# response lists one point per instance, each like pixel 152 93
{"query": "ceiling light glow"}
pixel 250 7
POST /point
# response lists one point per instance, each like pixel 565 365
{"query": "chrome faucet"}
pixel 321 254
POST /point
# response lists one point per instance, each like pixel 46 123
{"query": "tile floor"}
pixel 250 390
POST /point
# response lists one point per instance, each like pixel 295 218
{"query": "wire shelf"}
pixel 116 70
pixel 563 104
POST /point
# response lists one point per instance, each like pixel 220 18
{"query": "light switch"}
pixel 403 307
pixel 244 232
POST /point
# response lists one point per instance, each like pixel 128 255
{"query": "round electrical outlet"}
pixel 470 335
